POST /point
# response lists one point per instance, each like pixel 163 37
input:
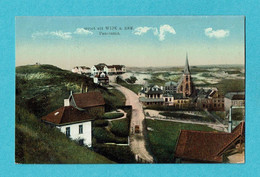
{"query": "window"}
pixel 80 129
pixel 68 131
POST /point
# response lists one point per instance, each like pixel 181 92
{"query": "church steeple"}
pixel 187 68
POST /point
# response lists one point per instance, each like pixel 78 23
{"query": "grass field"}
pixel 164 137
pixel 183 116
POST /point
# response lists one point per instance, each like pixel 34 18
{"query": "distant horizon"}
pixel 240 65
pixel 131 41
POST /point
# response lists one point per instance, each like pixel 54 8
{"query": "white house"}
pixel 73 123
pixel 234 99
pixel 81 70
pixel 96 69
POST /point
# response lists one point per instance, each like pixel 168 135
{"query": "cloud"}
pixel 141 30
pixel 57 34
pixel 83 31
pixel 165 29
pixel 60 34
pixel 216 33
pixel 161 32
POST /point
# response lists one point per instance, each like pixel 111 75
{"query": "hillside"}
pixel 37 143
pixel 41 89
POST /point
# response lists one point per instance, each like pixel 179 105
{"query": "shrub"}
pixel 102 135
pixel 120 127
pixel 100 123
pixel 113 115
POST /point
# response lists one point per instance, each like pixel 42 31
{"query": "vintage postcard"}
pixel 101 90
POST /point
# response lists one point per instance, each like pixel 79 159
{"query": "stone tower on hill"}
pixel 185 85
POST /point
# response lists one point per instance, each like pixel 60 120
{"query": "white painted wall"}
pixel 74 132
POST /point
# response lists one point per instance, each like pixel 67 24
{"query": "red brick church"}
pixel 185 85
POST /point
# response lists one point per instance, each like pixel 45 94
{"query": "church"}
pixel 185 85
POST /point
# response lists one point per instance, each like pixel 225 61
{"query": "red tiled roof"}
pixel 205 146
pixel 88 99
pixel 65 115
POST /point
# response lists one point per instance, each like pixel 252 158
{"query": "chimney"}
pixel 66 102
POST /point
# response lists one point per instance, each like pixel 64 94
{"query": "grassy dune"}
pixel 40 89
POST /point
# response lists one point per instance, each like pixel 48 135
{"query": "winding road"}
pixel 138 142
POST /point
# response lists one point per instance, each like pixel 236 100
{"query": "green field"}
pixel 183 116
pixel 164 137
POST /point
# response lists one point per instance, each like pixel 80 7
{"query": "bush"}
pixel 100 123
pixel 120 127
pixel 102 135
pixel 113 115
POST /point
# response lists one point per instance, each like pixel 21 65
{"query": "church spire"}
pixel 187 68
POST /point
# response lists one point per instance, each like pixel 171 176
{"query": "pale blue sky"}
pixel 55 40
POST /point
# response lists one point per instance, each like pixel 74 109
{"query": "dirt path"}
pixel 138 141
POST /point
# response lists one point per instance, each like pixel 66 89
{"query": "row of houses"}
pixel 100 68
pixel 184 94
pixel 74 119
pixel 100 72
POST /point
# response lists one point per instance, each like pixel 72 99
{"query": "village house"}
pixel 234 99
pixel 101 79
pixel 209 147
pixel 108 69
pixel 99 68
pixel 75 117
pixel 81 70
pixel 151 95
pixel 73 123
pixel 209 98
pixel 170 87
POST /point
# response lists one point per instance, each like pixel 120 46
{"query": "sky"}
pixel 132 41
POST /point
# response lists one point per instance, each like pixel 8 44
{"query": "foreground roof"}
pixel 66 115
pixel 89 99
pixel 206 146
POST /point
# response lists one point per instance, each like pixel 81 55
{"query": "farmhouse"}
pixel 74 118
pixel 72 122
pixel 209 147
